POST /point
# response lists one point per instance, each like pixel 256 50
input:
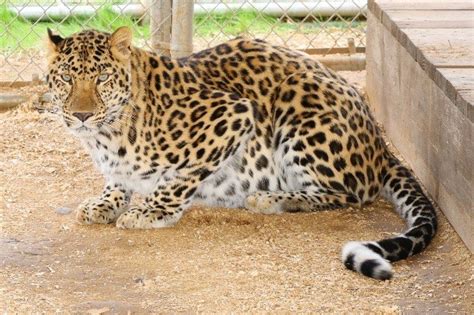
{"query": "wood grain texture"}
pixel 444 47
pixel 426 5
pixel 432 18
pixel 420 83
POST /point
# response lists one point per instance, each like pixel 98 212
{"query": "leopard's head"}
pixel 89 77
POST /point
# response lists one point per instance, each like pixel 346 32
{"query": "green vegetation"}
pixel 17 33
pixel 236 23
pixel 20 32
pixel 233 23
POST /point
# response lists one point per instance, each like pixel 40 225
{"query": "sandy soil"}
pixel 212 261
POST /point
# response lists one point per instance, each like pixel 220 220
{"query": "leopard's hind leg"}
pixel 272 202
pixel 312 149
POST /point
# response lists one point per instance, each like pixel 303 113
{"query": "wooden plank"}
pixel 443 47
pixel 459 79
pixel 182 29
pixel 419 105
pixel 434 48
pixel 468 96
pixel 373 7
pixel 19 84
pixel 334 50
pixel 10 100
pixel 458 84
pixel 451 162
pixel 426 5
pixel 374 55
pixel 160 26
pixel 431 19
pixel 354 62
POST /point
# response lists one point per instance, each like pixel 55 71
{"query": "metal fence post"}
pixel 182 28
pixel 160 26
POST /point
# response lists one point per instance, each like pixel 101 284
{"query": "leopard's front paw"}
pixel 263 202
pixel 144 218
pixel 95 210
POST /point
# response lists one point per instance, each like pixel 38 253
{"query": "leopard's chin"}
pixel 84 131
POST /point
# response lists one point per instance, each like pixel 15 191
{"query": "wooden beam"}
pixel 10 100
pixel 182 28
pixel 434 5
pixel 160 26
pixel 343 62
pixel 431 18
pixel 334 50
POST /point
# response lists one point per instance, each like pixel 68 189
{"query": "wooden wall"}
pixel 420 83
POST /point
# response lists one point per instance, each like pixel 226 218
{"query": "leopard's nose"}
pixel 82 116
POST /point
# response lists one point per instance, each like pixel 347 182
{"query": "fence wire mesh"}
pixel 320 26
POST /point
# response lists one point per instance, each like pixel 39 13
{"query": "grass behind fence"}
pixel 23 34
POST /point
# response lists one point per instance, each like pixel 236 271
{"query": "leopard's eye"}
pixel 103 77
pixel 66 77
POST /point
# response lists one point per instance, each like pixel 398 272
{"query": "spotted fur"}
pixel 243 124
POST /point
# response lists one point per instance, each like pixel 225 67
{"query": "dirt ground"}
pixel 212 261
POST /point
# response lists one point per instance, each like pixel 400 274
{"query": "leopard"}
pixel 245 124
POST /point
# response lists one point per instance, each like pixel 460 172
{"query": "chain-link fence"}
pixel 320 27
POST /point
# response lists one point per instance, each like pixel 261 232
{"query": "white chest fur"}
pixel 227 187
pixel 134 175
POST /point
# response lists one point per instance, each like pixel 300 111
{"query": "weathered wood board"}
pixel 426 5
pixel 432 18
pixel 458 84
pixel 444 47
pixel 420 82
pixel 376 7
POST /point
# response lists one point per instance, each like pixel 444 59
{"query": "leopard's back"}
pixel 253 68
pixel 271 77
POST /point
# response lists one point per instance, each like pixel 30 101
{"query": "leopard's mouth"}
pixel 84 131
pixel 81 129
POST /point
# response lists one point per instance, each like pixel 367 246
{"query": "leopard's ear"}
pixel 53 43
pixel 120 42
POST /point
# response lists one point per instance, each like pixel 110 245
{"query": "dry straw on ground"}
pixel 213 260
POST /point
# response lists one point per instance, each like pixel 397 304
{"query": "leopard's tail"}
pixel 402 189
